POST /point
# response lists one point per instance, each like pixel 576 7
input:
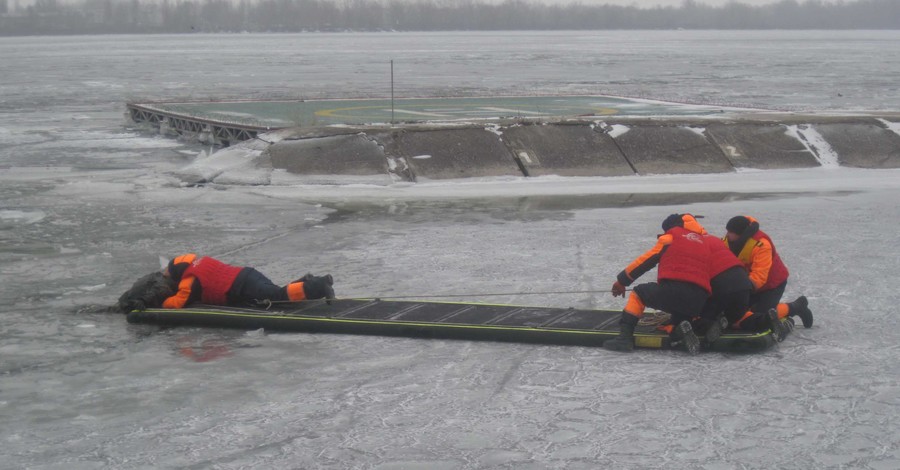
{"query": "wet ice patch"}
pixel 242 164
pixel 101 84
pixel 10 136
pixel 21 217
pixel 249 177
pixel 91 187
pixel 280 177
pixel 258 333
pixel 93 288
pixel 102 140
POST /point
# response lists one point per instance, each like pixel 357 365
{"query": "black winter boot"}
pixel 715 330
pixel 800 308
pixel 305 278
pixel 788 325
pixel 318 287
pixel 775 326
pixel 625 341
pixel 684 336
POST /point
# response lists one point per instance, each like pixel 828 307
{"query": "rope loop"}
pixel 654 318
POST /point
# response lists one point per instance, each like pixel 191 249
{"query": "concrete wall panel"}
pixel 333 155
pixel 761 145
pixel 862 145
pixel 576 148
pixel 670 149
pixel 565 150
pixel 450 153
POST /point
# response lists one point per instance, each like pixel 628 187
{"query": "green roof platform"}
pixel 236 120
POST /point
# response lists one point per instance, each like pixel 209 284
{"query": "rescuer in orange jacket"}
pixel 731 287
pixel 756 251
pixel 681 289
pixel 210 281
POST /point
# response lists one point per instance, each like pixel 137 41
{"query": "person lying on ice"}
pixel 731 287
pixel 213 282
pixel 769 275
pixel 682 287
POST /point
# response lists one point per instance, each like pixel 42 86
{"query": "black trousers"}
pixel 683 300
pixel 761 302
pixel 730 295
pixel 251 285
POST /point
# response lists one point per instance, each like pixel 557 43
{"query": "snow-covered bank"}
pixel 746 182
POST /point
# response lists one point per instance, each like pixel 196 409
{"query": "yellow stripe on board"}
pixel 295 317
pixel 640 339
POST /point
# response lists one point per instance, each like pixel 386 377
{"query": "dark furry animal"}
pixel 147 292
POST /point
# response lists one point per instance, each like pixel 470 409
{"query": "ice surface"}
pixel 79 223
pixel 239 164
pixel 21 217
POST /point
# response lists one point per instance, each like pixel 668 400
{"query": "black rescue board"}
pixel 448 320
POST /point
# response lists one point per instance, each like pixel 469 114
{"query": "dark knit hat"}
pixel 179 264
pixel 737 224
pixel 673 220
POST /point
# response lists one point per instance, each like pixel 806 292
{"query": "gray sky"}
pixel 638 3
pixel 655 3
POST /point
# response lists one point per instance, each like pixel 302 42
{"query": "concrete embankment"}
pixel 584 147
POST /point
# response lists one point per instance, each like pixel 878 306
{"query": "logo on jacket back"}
pixel 693 237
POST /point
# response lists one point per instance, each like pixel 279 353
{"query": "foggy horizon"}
pixel 643 4
pixel 215 16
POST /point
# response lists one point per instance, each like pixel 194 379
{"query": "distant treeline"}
pixel 213 16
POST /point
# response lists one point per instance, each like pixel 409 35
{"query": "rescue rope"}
pixel 654 318
pixel 269 303
pixel 486 294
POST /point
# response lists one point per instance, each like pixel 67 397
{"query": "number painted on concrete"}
pixel 733 151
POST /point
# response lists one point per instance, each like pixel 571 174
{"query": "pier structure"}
pixel 347 141
pixel 208 131
pixel 224 122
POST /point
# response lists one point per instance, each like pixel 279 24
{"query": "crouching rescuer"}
pixel 768 273
pixel 682 286
pixel 210 281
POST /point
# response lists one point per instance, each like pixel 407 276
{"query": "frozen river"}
pixel 87 206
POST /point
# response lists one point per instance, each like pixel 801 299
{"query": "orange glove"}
pixel 618 290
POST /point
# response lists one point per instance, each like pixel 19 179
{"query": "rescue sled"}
pixel 446 320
